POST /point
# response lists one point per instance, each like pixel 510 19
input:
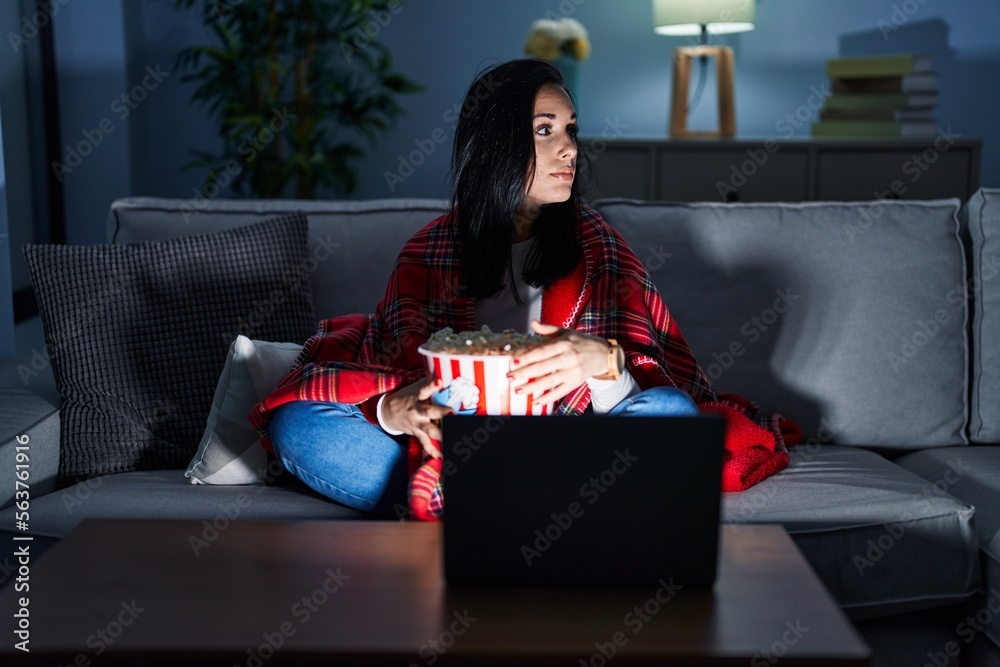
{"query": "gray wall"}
pixel 90 63
pixel 20 95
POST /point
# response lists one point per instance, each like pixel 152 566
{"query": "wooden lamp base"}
pixel 683 56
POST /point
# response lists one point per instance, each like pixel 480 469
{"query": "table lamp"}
pixel 702 17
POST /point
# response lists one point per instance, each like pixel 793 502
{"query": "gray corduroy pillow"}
pixel 138 335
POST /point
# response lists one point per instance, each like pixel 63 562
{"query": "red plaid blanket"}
pixel 357 358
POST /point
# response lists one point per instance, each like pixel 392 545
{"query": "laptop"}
pixel 590 501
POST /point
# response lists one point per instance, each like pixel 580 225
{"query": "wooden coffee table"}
pixel 124 592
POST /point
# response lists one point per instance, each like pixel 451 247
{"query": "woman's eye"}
pixel 543 130
pixel 573 130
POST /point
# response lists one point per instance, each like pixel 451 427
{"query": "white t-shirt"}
pixel 502 311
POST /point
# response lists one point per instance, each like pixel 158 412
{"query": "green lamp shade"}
pixel 686 17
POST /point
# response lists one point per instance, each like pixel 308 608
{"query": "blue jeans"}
pixel 337 452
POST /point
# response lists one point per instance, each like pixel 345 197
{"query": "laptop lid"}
pixel 581 501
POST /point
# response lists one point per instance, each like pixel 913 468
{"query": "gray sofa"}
pixel 874 325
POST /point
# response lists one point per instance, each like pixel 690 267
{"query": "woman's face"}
pixel 554 128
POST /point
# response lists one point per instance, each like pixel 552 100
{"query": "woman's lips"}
pixel 563 175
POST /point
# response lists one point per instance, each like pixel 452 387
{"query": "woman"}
pixel 518 247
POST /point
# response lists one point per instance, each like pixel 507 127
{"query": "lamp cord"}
pixel 702 73
pixel 702 76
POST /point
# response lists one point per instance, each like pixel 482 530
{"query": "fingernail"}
pixel 510 376
pixel 516 362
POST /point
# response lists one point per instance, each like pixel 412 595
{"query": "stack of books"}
pixel 879 96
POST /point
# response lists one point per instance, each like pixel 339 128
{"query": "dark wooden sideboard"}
pixel 751 170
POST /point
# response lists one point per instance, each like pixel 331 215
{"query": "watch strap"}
pixel 616 359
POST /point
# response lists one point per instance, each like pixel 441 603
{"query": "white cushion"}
pixel 230 451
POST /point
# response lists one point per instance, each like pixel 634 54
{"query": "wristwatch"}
pixel 616 362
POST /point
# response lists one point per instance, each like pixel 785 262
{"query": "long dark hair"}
pixel 493 164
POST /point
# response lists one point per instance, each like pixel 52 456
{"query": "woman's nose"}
pixel 569 148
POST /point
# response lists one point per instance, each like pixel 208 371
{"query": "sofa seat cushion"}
pixel 29 444
pixel 875 534
pixel 32 370
pixel 168 494
pixel 973 476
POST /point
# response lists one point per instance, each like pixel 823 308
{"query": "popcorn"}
pixel 474 367
pixel 484 341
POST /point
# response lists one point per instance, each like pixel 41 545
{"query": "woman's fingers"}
pixel 552 347
pixel 558 392
pixel 427 443
pixel 537 385
pixel 547 367
pixel 430 389
pixel 549 388
pixel 434 412
pixel 428 430
pixel 413 412
pixel 545 329
pixel 544 359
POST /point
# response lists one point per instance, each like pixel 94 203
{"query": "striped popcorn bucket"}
pixel 489 374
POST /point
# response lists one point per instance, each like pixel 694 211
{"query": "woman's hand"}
pixel 561 364
pixel 411 410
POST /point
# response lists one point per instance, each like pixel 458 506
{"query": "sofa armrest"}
pixel 31 423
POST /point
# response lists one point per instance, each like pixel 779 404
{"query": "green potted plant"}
pixel 297 86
